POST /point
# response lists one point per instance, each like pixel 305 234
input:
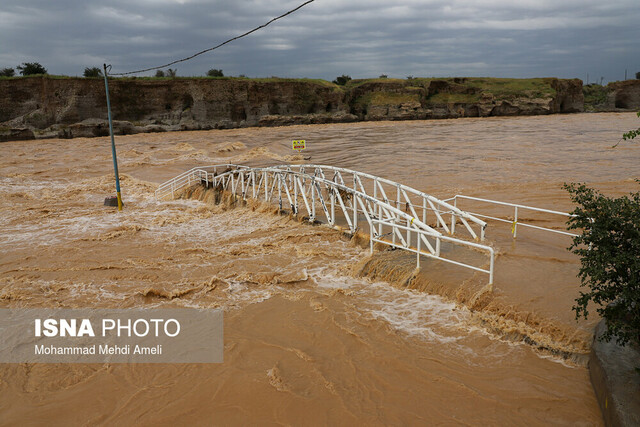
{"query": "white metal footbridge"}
pixel 393 214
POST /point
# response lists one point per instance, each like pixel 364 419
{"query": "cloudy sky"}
pixel 327 38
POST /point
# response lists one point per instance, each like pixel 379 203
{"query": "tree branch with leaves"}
pixel 632 133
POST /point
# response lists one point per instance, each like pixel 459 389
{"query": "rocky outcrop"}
pixel 15 134
pixel 625 95
pixel 41 107
pixel 569 97
pixel 616 96
pixel 465 97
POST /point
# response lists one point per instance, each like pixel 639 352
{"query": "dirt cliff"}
pixel 45 106
pixel 419 98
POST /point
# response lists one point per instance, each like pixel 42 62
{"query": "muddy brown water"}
pixel 316 331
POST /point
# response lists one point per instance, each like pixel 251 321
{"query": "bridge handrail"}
pixel 515 223
pixel 487 248
pixel 169 186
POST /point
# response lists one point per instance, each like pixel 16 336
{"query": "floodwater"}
pixel 312 337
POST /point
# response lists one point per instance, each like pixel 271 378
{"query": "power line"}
pixel 216 47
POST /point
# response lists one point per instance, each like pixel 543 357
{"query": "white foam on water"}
pixel 23 235
pixel 15 185
pixel 215 229
pixel 51 231
pixel 99 291
pixel 329 281
pixel 239 292
pixel 418 313
pixel 412 312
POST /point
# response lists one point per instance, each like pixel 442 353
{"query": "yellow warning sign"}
pixel 299 144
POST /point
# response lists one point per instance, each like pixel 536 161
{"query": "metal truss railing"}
pixel 416 203
pixel 342 206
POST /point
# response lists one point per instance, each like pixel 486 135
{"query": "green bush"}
pixel 215 73
pixel 31 68
pixel 92 72
pixel 7 72
pixel 342 80
pixel 609 250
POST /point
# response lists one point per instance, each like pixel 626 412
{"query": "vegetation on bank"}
pixel 168 78
pixel 595 97
pixel 632 134
pixel 372 99
pixel 453 90
pixel 610 266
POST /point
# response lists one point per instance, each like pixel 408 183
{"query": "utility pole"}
pixel 113 143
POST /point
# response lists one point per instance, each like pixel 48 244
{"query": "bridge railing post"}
pixel 491 265
pixel 354 204
pixel 279 175
pixel 333 206
pixel 265 178
pixel 418 236
pixel 453 216
pixel 424 210
pixel 393 230
pixel 371 233
pixel 379 219
pixel 312 217
pixel 295 195
pixel 375 189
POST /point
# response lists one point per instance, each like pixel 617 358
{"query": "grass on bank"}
pixel 372 99
pixel 502 87
pixel 459 90
pixel 467 90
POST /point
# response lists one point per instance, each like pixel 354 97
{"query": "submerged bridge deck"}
pixel 391 213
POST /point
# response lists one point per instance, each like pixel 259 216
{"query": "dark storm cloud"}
pixel 328 37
